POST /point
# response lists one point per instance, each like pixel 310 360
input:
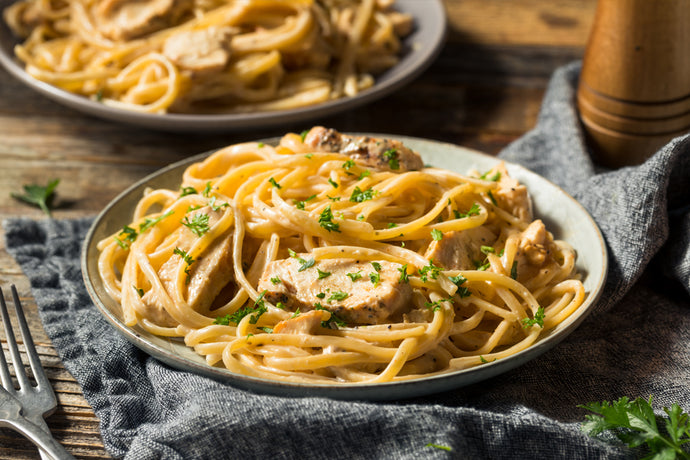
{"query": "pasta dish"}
pixel 334 258
pixel 208 56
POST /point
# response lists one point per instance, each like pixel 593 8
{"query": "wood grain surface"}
pixel 483 92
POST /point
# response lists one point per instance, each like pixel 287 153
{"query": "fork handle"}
pixel 40 438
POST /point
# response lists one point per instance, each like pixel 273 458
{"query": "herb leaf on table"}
pixel 38 195
pixel 636 424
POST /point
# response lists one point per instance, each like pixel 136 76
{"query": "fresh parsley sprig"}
pixel 38 195
pixel 635 423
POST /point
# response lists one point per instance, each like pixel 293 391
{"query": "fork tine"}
pixel 30 347
pixel 5 377
pixel 17 363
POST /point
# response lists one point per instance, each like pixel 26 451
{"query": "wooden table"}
pixel 483 92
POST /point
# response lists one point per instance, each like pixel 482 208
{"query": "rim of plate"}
pixel 177 355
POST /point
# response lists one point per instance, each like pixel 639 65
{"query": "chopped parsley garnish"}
pixel 358 196
pixel 491 197
pixel 321 295
pixel 365 173
pixel 334 322
pixel 326 220
pixel 473 211
pixel 459 281
pixel 38 195
pixel 485 361
pixel 184 191
pixel 404 277
pixel 309 156
pixel 513 270
pixel 348 164
pixel 338 295
pixel 487 249
pixel 303 134
pixel 198 225
pixel 274 183
pixel 217 207
pixel 323 274
pixel 302 204
pixel 355 276
pixel 439 446
pixel 538 319
pixel 434 306
pixel 281 305
pixel 482 266
pixel 127 236
pixel 275 280
pixel 139 291
pixel 494 178
pixel 392 225
pixel 296 314
pixel 436 234
pixel 429 271
pixel 148 223
pixel 188 259
pixel 258 309
pixel 207 190
pixel 333 183
pixel 392 156
pixel 377 266
pixel 333 198
pixel 375 278
pixel 305 263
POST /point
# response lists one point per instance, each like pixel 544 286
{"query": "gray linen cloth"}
pixel 636 343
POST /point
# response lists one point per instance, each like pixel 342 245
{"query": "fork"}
pixel 35 402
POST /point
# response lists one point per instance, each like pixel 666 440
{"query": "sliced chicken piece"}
pixel 200 51
pixel 512 196
pixel 209 273
pixel 534 249
pixel 355 291
pixel 128 19
pixel 304 323
pixel 385 154
pixel 459 250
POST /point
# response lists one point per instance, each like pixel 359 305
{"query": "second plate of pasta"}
pixel 206 66
pixel 345 265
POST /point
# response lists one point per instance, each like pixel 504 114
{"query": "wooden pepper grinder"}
pixel 634 90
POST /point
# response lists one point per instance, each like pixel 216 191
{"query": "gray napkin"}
pixel 637 342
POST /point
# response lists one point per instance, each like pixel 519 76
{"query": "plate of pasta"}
pixel 201 65
pixel 345 265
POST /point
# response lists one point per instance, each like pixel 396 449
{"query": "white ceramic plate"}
pixel 564 216
pixel 421 48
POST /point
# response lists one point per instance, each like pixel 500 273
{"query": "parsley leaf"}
pixel 392 156
pixel 326 220
pixel 404 277
pixel 258 309
pixel 459 281
pixel 358 196
pixel 127 236
pixel 305 263
pixel 184 191
pixel 334 322
pixel 538 319
pixel 198 225
pixel 188 259
pixel 38 195
pixel 473 211
pixel 148 223
pixel 355 276
pixel 338 295
pixel 635 423
pixel 274 183
pixel 429 271
pixel 323 274
pixel 436 234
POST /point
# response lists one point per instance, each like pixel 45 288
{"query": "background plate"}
pixel 421 48
pixel 564 216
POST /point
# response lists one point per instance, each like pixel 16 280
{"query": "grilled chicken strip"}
pixel 376 153
pixel 355 291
